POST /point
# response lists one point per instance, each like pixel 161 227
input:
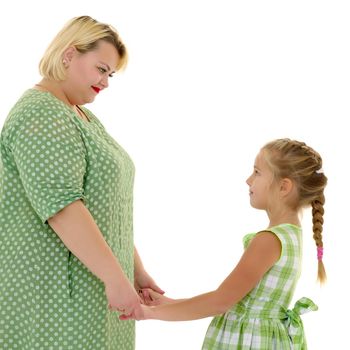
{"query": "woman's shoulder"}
pixel 33 109
pixel 33 99
pixel 35 102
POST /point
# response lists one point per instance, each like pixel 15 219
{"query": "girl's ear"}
pixel 286 186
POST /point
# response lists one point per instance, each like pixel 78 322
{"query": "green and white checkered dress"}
pixel 261 320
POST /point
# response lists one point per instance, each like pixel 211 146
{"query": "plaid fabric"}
pixel 261 320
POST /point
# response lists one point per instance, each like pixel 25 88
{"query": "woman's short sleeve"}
pixel 50 157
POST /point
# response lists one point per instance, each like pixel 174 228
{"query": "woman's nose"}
pixel 104 81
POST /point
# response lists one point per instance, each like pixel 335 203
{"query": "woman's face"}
pixel 88 73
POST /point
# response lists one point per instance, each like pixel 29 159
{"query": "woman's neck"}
pixel 55 89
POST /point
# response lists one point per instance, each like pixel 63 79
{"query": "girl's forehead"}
pixel 260 160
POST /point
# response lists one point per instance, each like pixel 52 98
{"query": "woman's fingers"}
pixel 125 317
pixel 157 289
pixel 126 310
pixel 146 296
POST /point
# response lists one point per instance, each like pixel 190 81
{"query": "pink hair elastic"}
pixel 319 253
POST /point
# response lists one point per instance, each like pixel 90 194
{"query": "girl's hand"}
pixel 152 298
pixel 122 297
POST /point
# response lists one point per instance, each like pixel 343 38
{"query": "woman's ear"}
pixel 68 54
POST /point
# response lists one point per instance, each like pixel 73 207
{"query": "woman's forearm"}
pixel 201 306
pixel 78 231
pixel 138 265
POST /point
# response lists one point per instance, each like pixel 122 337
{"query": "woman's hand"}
pixel 145 314
pixel 144 281
pixel 148 311
pixel 141 277
pixel 152 298
pixel 122 297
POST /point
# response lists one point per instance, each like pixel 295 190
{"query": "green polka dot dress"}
pixel 49 158
pixel 262 320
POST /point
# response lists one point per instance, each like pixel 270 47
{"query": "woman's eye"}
pixel 104 71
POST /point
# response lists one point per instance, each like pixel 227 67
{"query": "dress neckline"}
pixel 81 108
pixel 285 224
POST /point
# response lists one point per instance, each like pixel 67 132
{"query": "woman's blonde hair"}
pixel 84 33
pixel 303 165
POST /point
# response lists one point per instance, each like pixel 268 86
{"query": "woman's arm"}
pixel 138 265
pixel 142 278
pixel 78 231
pixel 261 254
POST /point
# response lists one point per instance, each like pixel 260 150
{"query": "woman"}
pixel 67 256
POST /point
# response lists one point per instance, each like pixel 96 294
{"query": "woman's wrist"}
pixel 114 275
pixel 139 272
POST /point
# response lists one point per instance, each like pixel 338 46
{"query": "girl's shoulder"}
pixel 284 232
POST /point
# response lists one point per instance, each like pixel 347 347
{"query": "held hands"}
pixel 151 299
pixel 144 280
pixel 144 314
pixel 122 297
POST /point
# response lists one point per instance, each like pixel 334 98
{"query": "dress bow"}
pixel 294 323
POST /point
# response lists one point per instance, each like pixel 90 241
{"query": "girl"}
pixel 251 304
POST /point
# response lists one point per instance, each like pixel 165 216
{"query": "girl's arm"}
pixel 262 253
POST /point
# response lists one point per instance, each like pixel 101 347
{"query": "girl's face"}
pixel 261 185
pixel 88 73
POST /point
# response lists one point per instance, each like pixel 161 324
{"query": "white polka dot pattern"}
pixel 49 158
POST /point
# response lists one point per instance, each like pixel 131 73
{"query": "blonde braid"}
pixel 317 215
pixel 297 161
pixel 317 221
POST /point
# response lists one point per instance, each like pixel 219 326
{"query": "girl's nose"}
pixel 248 181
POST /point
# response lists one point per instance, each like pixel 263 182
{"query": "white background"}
pixel 208 83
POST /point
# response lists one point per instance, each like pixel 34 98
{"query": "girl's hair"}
pixel 84 33
pixel 303 165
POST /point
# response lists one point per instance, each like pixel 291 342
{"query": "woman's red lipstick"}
pixel 97 90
